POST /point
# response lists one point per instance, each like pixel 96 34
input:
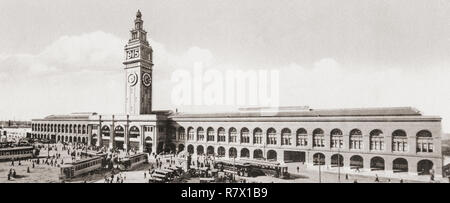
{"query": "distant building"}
pixel 382 139
pixel 10 134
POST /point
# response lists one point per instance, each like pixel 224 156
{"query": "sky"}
pixel 60 56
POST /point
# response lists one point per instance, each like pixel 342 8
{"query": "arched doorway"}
pixel 210 150
pixel 337 160
pixel 148 144
pixel 258 154
pixel 232 152
pixel 245 153
pixel 424 167
pixel 377 163
pixel 318 159
pixel 221 151
pixel 400 165
pixel 190 149
pixel 200 150
pixel 272 155
pixel 119 132
pixel 357 162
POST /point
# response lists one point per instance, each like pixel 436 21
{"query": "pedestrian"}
pixel 28 169
pixel 401 180
pixel 145 175
pixel 376 178
pixel 346 176
pixel 298 169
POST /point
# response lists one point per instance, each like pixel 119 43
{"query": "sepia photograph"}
pixel 224 91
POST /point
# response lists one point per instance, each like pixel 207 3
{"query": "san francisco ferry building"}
pixel 389 139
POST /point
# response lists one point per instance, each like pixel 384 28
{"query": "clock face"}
pixel 147 79
pixel 132 79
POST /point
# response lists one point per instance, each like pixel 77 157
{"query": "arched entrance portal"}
pixel 258 154
pixel 232 152
pixel 272 155
pixel 148 144
pixel 337 160
pixel 319 159
pixel 424 167
pixel 377 163
pixel 200 150
pixel 119 133
pixel 400 165
pixel 356 162
pixel 210 150
pixel 245 153
pixel 221 151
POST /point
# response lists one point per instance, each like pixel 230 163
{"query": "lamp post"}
pixel 339 164
pixel 320 172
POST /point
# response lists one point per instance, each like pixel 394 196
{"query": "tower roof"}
pixel 138 14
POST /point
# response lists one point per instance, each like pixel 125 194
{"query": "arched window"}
pixel 70 128
pixel 245 153
pixel 356 139
pixel 399 141
pixel 105 131
pixel 221 137
pixel 221 151
pixel 271 136
pixel 318 138
pixel 245 135
pixel 302 137
pixel 181 133
pixel 84 129
pixel 376 140
pixel 286 137
pixel 257 136
pixel 232 152
pixel 119 131
pixel 191 135
pixel 134 132
pixel 424 141
pixel 337 140
pixel 232 135
pixel 210 135
pixel 200 134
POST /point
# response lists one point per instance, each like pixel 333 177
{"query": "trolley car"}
pixel 132 161
pixel 252 168
pixel 69 171
pixel 17 153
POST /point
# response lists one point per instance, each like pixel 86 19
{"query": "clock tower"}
pixel 138 71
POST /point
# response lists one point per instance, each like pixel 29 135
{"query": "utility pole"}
pixel 320 172
pixel 339 163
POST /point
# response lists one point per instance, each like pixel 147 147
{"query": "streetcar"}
pixel 252 168
pixel 133 161
pixel 17 153
pixel 72 170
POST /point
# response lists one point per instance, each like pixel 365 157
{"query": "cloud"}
pixel 85 73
